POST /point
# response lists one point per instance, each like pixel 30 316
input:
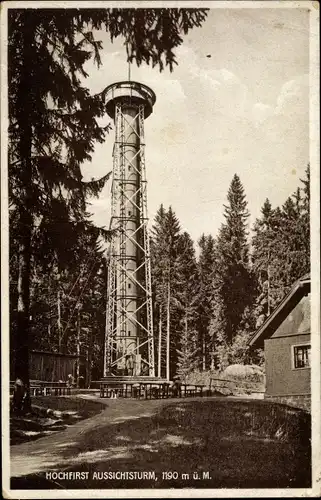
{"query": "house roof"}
pixel 300 288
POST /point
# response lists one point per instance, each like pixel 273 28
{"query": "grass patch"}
pixel 237 444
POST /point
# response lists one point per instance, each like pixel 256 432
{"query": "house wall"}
pixel 281 378
pixel 284 383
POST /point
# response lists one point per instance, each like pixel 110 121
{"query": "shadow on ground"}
pixel 208 443
pixel 50 414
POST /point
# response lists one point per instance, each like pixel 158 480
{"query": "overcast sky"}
pixel 243 110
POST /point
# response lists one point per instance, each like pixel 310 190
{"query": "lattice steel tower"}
pixel 129 342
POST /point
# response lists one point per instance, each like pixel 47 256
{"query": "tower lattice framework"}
pixel 129 341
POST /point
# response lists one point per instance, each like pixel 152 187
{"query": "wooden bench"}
pixel 156 390
pixel 192 390
pixel 55 390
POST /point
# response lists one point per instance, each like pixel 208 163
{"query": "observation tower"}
pixel 129 341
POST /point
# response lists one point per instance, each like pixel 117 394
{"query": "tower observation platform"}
pixel 130 93
pixel 129 339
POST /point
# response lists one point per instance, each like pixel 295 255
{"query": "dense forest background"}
pixel 209 295
pixel 213 303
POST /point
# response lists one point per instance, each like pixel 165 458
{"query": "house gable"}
pixel 297 321
pixel 279 320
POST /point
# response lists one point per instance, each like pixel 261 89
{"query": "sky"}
pixel 243 110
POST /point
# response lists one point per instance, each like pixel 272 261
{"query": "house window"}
pixel 301 356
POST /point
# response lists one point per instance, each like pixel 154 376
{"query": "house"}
pixel 286 339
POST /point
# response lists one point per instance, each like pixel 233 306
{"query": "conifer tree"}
pixel 174 284
pixel 294 241
pixel 47 143
pixel 53 118
pixel 233 285
pixel 281 249
pixel 158 265
pixel 165 276
pixel 305 219
pixel 206 269
pixel 188 297
pixel 266 258
pixel 306 194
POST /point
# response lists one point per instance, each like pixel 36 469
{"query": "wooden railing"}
pixel 149 390
pixel 235 385
pixel 43 388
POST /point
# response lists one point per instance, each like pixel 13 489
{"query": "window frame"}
pixel 293 346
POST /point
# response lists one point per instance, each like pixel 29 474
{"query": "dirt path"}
pixel 45 453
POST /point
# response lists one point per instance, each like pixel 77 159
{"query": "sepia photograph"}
pixel 160 277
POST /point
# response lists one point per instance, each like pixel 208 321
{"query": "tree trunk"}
pixel 186 367
pixel 59 321
pixel 268 286
pixel 49 312
pixel 167 331
pixel 78 347
pixel 203 353
pixel 90 357
pixel 21 397
pixel 90 344
pixel 160 341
